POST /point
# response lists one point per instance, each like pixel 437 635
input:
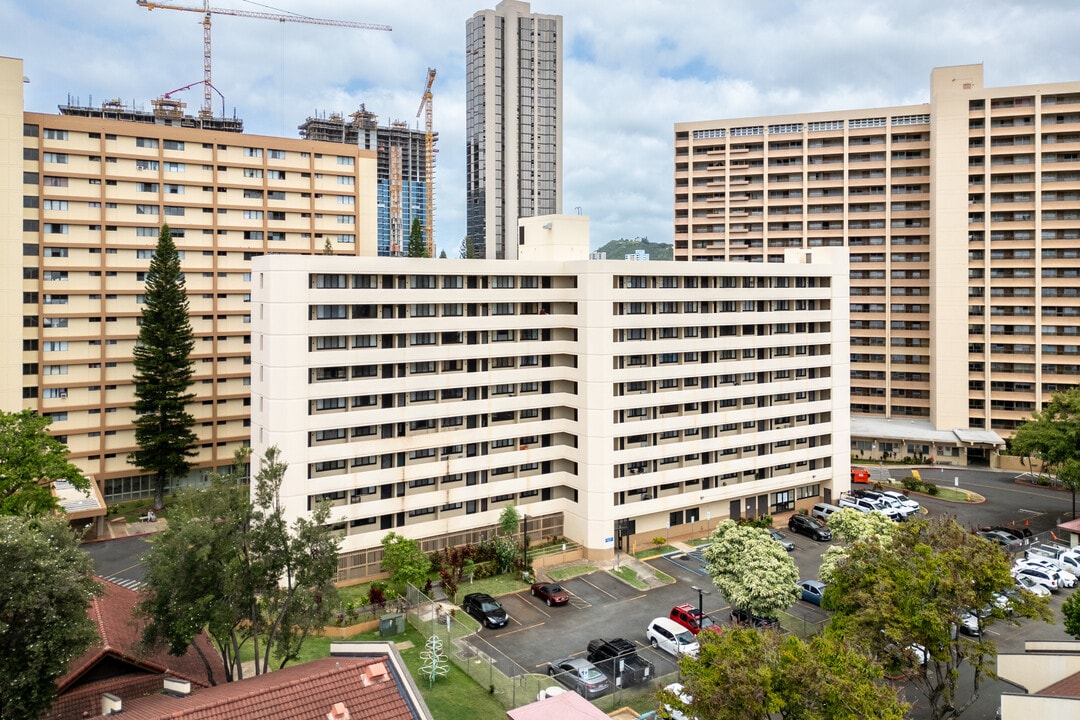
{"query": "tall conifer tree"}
pixel 163 371
pixel 417 246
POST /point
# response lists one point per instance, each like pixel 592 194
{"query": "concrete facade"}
pixel 961 217
pixel 513 134
pixel 609 401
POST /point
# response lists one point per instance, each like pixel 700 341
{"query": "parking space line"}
pixel 579 603
pixel 613 597
pixel 517 630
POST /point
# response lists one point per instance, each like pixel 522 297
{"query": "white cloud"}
pixel 632 69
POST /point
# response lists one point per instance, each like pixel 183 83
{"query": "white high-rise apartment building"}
pixel 513 136
pixel 608 401
pixel 961 217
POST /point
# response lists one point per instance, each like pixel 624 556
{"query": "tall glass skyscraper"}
pixel 513 110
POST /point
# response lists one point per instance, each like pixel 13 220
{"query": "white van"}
pixel 822 511
pixel 671 637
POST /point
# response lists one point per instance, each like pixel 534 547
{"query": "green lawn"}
pixel 565 573
pixel 630 576
pixel 653 551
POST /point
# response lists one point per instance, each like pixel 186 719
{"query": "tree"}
pixel 30 460
pixel 509 520
pixel 327 248
pixel 1053 436
pixel 909 592
pixel 404 560
pixel 744 674
pixel 851 526
pixel 417 247
pixel 468 249
pixel 163 370
pixel 46 586
pixel 442 254
pixel 1070 613
pixel 230 563
pixel 751 569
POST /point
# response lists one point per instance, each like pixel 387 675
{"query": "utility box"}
pixel 391 624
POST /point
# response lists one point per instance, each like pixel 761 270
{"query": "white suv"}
pixel 671 637
pixel 1049 579
pixel 1066 578
pixel 913 506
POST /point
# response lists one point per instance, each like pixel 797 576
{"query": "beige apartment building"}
pixel 83 195
pixel 610 402
pixel 961 219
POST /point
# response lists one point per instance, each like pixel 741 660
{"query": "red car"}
pixel 550 593
pixel 689 617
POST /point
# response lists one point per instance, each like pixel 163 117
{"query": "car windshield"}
pixel 489 605
pixel 705 621
pixel 685 637
pixel 591 674
pixel 552 589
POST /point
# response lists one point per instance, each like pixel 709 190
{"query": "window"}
pixel 253 172
pixel 58 158
pixel 253 214
pixel 54 346
pixel 51 134
pixel 346 180
pixel 346 200
pixel 502 281
pixel 276 154
pixel 146 142
pixel 55 252
pixel 345 160
pixel 58 275
pixel 252 152
pixel 55 205
pixel 53 181
pixel 54 229
pixel 54 299
pixel 174 166
pixel 174 210
pixel 146 164
pixel 146 209
pixel 275 174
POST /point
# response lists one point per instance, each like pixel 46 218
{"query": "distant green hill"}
pixel 618 249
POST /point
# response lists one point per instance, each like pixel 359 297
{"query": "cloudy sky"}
pixel 632 69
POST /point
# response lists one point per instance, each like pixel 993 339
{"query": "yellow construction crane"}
pixel 206 11
pixel 429 166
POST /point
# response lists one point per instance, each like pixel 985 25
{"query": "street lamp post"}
pixel 700 608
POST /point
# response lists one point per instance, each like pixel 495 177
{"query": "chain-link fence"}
pixel 512 684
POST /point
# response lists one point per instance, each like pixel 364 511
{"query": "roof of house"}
pixel 1067 687
pixel 565 706
pixel 338 688
pixel 121 636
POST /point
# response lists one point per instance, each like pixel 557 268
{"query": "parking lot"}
pixel 602 606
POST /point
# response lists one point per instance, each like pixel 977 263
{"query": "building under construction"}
pixel 401 168
pixel 167 111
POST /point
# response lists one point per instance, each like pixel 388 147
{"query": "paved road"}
pixel 120 560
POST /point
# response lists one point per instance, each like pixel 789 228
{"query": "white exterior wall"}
pixel 720 408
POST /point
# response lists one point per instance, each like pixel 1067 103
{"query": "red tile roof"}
pixel 360 688
pixel 116 665
pixel 1067 687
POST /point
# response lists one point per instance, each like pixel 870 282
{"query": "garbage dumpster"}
pixel 391 624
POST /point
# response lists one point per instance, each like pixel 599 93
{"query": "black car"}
pixel 618 658
pixel 810 527
pixel 741 616
pixel 486 609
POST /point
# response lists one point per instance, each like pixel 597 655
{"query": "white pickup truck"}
pixel 1066 558
pixel 867 505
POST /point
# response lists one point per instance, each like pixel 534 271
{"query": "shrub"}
pixel 659 540
pixel 931 488
pixel 911 483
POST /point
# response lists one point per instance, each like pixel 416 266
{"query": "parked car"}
pixel 782 539
pixel 618 658
pixel 888 501
pixel 1020 533
pixel 666 712
pixel 810 527
pixel 903 500
pixel 1025 583
pixel 973 622
pixel 811 590
pixel 867 505
pixel 671 637
pixel 550 593
pixel 822 511
pixel 1048 579
pixel 581 676
pixel 691 618
pixel 1006 541
pixel 1066 578
pixel 485 609
pixel 742 616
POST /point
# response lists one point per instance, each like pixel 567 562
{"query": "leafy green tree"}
pixel 468 249
pixel 751 675
pixel 442 254
pixel 910 592
pixel 30 460
pixel 417 248
pixel 404 560
pixel 327 248
pixel 1070 613
pixel 1053 436
pixel 751 569
pixel 851 526
pixel 46 585
pixel 509 521
pixel 230 563
pixel 163 370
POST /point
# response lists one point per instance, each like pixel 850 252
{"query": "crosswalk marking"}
pixel 126 582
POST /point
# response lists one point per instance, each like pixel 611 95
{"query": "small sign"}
pixel 609 540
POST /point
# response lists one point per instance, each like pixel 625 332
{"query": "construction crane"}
pixel 429 166
pixel 207 11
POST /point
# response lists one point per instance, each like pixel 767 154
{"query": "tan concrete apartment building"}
pixel 611 402
pixel 961 218
pixel 83 198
